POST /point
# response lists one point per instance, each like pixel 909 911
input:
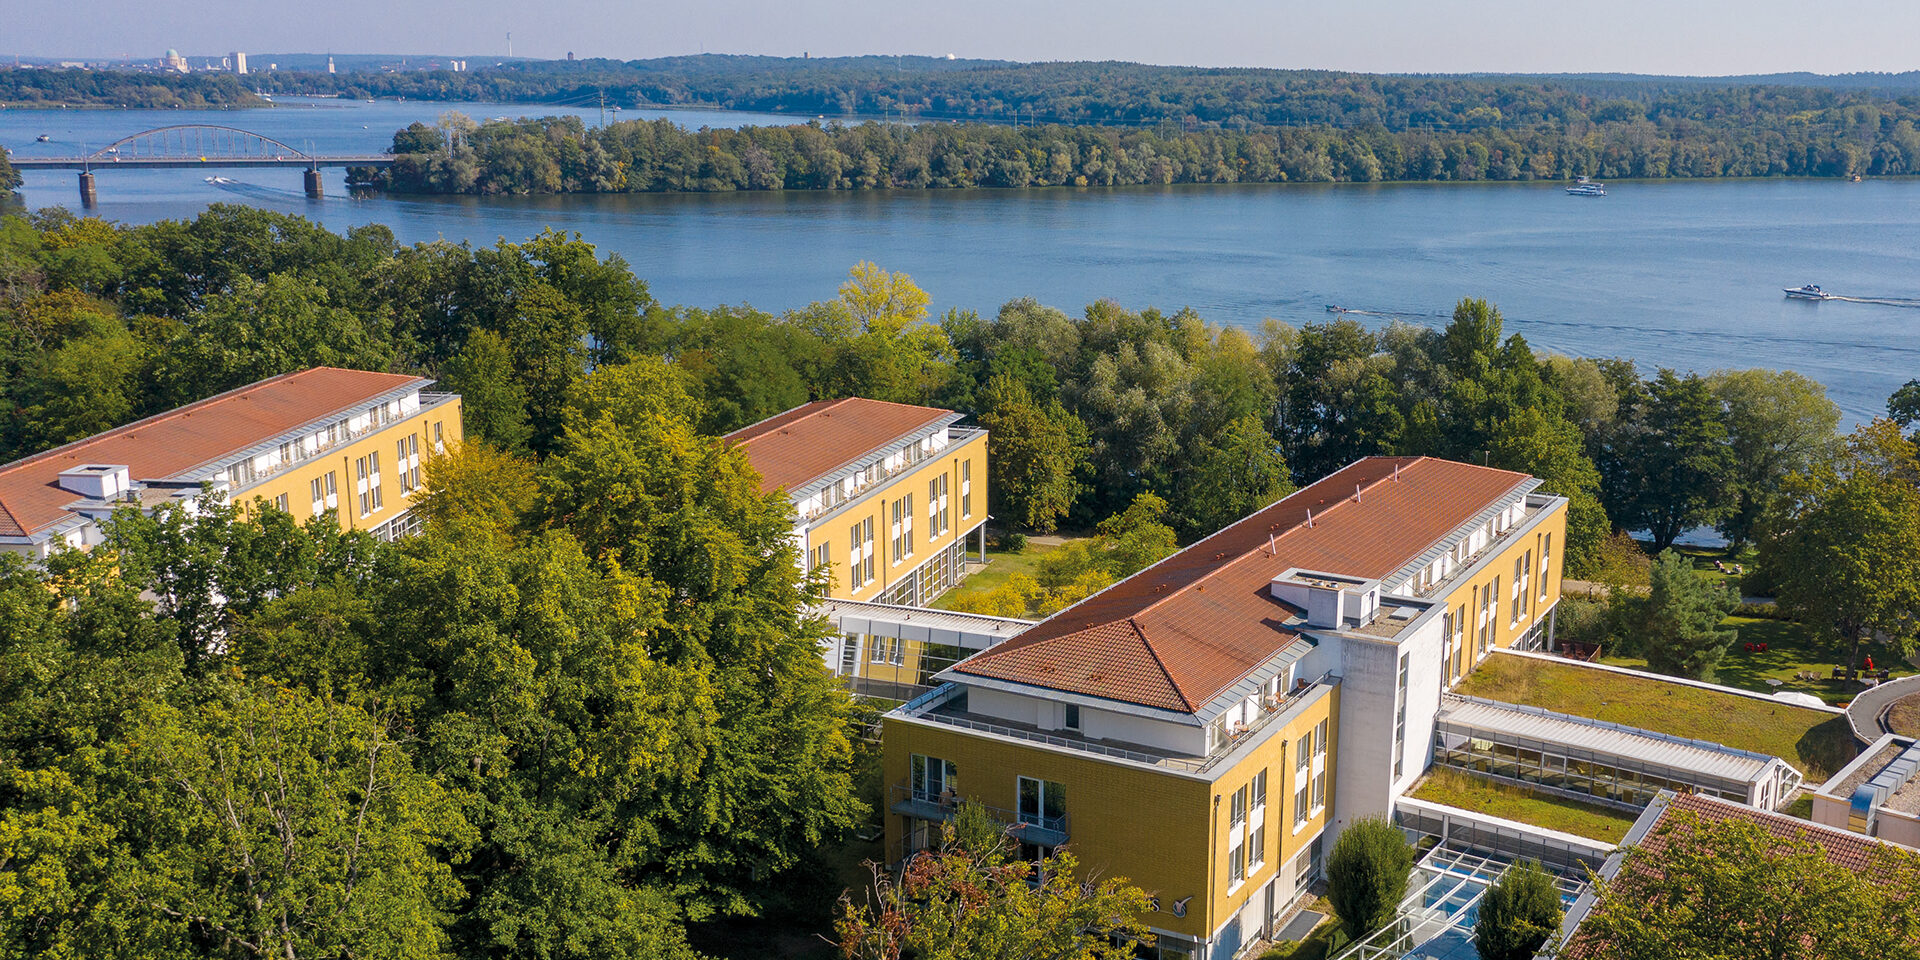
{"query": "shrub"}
pixel 1367 874
pixel 1011 542
pixel 1518 914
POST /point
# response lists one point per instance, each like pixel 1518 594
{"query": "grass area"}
pixel 1001 567
pixel 1802 807
pixel 1457 788
pixel 1703 558
pixel 1904 716
pixel 1791 649
pixel 1819 744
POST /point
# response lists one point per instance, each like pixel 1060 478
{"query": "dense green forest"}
pixel 562 155
pixel 583 715
pixel 123 88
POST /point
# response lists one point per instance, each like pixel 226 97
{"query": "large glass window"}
pixel 1043 803
pixel 1257 822
pixel 966 489
pixel 935 780
pixel 1320 766
pixel 1617 779
pixel 1236 839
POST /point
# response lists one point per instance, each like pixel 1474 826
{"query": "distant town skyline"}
pixel 1714 37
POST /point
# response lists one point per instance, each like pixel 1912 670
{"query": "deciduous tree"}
pixel 1367 875
pixel 1518 914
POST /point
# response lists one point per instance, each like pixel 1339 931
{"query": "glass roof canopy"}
pixel 1437 915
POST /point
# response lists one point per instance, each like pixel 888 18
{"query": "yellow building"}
pixel 349 441
pixel 886 497
pixel 1207 727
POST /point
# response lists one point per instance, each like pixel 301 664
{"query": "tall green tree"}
pixel 1730 888
pixel 1518 914
pixel 493 403
pixel 1842 542
pixel 273 824
pixel 1677 624
pixel 1674 464
pixel 1229 476
pixel 1367 875
pixel 1036 458
pixel 1550 448
pixel 1778 423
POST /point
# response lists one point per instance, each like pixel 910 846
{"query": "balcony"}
pixel 834 495
pixel 1038 829
pixel 946 705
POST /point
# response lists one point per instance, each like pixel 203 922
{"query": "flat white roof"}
pixel 972 631
pixel 1600 737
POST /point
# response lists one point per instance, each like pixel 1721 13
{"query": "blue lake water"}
pixel 1686 274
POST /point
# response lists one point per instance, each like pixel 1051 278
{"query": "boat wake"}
pixel 1883 301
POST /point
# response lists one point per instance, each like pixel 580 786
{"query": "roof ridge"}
pixel 1178 690
pixel 179 411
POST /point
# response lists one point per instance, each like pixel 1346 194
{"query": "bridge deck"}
pixel 84 163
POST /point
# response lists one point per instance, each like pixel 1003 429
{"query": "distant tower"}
pixel 569 56
pixel 329 63
pixel 239 62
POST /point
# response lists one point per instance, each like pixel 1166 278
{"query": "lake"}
pixel 1685 274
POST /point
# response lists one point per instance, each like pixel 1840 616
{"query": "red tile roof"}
pixel 1858 853
pixel 168 444
pixel 1178 633
pixel 795 448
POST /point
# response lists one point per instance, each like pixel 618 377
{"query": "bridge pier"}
pixel 89 197
pixel 315 190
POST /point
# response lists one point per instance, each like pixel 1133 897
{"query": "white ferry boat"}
pixel 1809 292
pixel 1585 187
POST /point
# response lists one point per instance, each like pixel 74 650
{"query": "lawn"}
pixel 1904 716
pixel 1001 567
pixel 1457 788
pixel 1791 649
pixel 1819 744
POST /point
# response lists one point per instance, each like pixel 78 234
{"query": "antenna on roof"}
pixel 1309 517
pixel 1396 472
pixel 1356 493
pixel 1271 550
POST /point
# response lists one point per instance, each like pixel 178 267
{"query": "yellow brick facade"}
pixel 1161 830
pixel 1539 552
pixel 962 465
pixel 432 428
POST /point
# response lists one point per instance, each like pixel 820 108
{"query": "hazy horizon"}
pixel 1713 38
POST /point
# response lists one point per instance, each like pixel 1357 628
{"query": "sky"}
pixel 1692 37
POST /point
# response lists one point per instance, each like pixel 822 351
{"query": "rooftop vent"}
pixel 1331 601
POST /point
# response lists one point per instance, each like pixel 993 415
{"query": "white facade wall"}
pixel 1095 724
pixel 1369 675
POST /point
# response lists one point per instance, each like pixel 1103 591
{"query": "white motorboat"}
pixel 1585 187
pixel 1810 291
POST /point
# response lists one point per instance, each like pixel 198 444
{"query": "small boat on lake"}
pixel 1810 291
pixel 1585 187
pixel 43 138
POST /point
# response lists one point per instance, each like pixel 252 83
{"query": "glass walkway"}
pixel 1442 904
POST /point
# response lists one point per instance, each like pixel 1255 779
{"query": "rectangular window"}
pixel 897 652
pixel 849 654
pixel 856 567
pixel 866 548
pixel 439 439
pixel 1302 778
pixel 1043 803
pixel 821 559
pixel 326 494
pixel 966 489
pixel 896 528
pixel 1400 720
pixel 1546 553
pixel 400 463
pixel 934 780
pixel 1257 823
pixel 1236 839
pixel 1320 766
pixel 280 503
pixel 1072 719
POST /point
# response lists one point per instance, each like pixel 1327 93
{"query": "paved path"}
pixel 1868 711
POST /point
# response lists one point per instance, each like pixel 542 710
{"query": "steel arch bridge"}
pixel 195 141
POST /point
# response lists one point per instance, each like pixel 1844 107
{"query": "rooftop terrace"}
pixel 1818 742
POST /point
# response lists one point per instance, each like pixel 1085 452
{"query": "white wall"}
pixel 1095 724
pixel 1369 673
